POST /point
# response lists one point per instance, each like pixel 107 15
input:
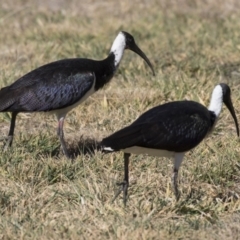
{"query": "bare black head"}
pixel 222 94
pixel 123 41
pixel 129 40
pixel 228 102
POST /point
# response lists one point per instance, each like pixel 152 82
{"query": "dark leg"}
pixel 177 162
pixel 175 184
pixel 125 183
pixel 61 137
pixel 11 131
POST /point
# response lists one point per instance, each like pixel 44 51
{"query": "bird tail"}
pixel 107 149
pixel 124 138
pixel 6 99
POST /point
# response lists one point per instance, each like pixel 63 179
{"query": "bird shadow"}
pixel 82 146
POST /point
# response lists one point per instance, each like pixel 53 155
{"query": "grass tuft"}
pixel 193 46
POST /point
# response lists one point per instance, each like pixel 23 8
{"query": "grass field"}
pixel 193 45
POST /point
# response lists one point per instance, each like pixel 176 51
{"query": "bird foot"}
pixel 67 154
pixel 177 195
pixel 8 143
pixel 3 138
pixel 123 188
pixel 175 185
pixel 64 146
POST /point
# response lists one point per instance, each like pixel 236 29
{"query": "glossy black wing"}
pixel 61 91
pixel 48 72
pixel 176 126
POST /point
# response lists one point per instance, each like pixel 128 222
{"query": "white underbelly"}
pixel 62 112
pixel 149 151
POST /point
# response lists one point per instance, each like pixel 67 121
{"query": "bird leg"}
pixel 9 138
pixel 61 137
pixel 124 185
pixel 175 184
pixel 177 162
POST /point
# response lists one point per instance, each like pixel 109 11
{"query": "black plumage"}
pixel 61 85
pixel 169 130
pixel 40 95
pixel 165 127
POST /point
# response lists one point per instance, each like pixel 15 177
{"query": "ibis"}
pixel 169 130
pixel 59 86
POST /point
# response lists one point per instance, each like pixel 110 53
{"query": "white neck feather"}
pixel 216 100
pixel 118 48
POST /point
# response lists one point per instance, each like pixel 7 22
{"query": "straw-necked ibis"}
pixel 60 86
pixel 169 130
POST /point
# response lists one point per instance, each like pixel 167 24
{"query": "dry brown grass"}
pixel 193 45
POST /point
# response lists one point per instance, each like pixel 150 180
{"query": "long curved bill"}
pixel 229 105
pixel 138 51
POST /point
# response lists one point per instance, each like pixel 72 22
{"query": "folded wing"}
pixel 175 126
